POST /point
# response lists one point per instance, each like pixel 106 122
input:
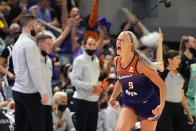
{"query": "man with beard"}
pixel 28 92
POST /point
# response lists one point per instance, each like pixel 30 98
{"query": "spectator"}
pixel 6 64
pixel 2 102
pixel 18 9
pixel 66 47
pixel 102 105
pixel 3 26
pixel 67 85
pixel 186 50
pixel 62 116
pixel 40 10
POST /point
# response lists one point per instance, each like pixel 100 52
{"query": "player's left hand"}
pixel 158 110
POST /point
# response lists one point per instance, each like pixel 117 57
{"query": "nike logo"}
pixel 145 101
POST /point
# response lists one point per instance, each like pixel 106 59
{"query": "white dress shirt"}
pixel 85 73
pixel 26 62
pixel 46 75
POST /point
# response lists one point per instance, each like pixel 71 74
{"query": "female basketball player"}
pixel 136 77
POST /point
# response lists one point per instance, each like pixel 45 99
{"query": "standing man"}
pixel 45 46
pixel 28 92
pixel 84 77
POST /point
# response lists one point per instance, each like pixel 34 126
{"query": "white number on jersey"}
pixel 130 85
pixel 131 93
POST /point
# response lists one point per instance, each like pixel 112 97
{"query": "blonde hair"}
pixel 183 41
pixel 58 95
pixel 142 57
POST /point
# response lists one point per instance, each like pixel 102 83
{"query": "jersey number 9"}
pixel 130 85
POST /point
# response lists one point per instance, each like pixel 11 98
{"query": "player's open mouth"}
pixel 118 47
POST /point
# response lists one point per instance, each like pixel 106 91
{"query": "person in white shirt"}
pixel 102 105
pixel 84 77
pixel 44 43
pixel 62 116
pixel 29 92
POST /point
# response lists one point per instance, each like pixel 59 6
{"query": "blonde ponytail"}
pixel 142 57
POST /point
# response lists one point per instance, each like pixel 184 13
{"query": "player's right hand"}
pixel 112 103
pixel 158 110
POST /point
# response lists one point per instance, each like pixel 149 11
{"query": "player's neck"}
pixel 126 58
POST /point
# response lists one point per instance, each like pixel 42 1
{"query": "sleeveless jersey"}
pixel 192 82
pixel 136 87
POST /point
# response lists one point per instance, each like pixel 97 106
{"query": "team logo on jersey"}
pixel 131 69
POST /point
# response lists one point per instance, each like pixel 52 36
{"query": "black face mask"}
pixel 90 52
pixel 33 33
pixel 62 108
pixel 104 105
pixel 44 53
pixel 193 51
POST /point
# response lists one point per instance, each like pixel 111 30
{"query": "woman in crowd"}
pixel 62 116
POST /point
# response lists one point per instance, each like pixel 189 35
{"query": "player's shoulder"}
pixel 142 67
